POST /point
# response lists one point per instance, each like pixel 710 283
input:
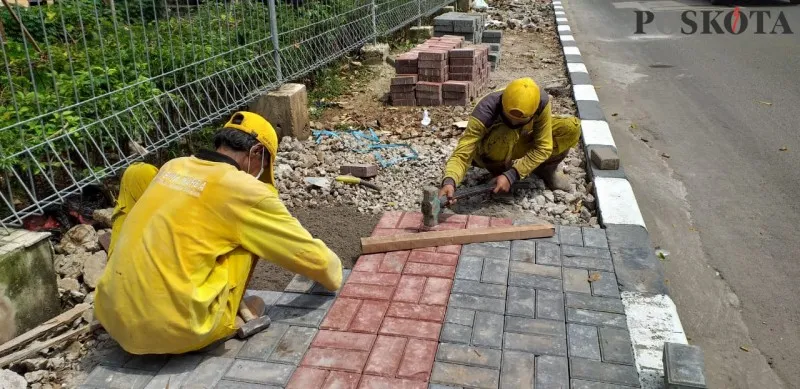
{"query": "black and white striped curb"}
pixel 652 317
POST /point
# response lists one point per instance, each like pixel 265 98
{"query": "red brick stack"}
pixel 456 92
pixel 429 93
pixel 402 90
pixel 433 65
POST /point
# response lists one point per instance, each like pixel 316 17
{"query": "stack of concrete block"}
pixel 429 93
pixel 493 38
pixel 402 90
pixel 470 64
pixel 468 25
pixel 457 92
pixel 433 65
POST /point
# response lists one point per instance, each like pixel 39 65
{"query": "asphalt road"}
pixel 700 122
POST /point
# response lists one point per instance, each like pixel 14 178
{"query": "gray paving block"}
pixel 683 366
pixel 552 372
pixel 532 268
pixel 488 330
pixel 259 346
pixel 299 284
pixel 595 237
pixel 577 281
pixel 208 372
pixel 582 384
pixel 594 171
pixel 549 239
pixel 260 372
pixel 615 345
pixel 521 302
pixel 176 371
pixel 599 371
pixel 534 281
pixel 485 250
pixel 463 317
pixel 228 384
pixel 602 304
pixel 628 236
pixel 462 375
pixel 638 270
pixel 592 252
pixel 439 386
pixel 115 377
pixel 297 316
pixel 495 271
pixel 492 36
pixel 308 301
pixel 456 333
pixel 583 341
pixel 548 254
pixel 589 263
pixel 469 355
pixel 114 356
pixel 523 250
pixel 152 363
pixel 536 344
pixel 269 296
pixel 595 318
pixel 589 109
pixel 606 286
pixel 229 348
pixel 571 235
pixel 549 305
pixel 518 369
pixel 545 327
pixel 469 268
pixel 477 303
pixel 578 78
pixel 573 58
pixel 293 345
pixel 479 288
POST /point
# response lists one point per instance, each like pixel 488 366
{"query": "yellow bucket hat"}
pixel 521 99
pixel 255 124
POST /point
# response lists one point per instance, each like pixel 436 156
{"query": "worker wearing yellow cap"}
pixel 177 274
pixel 512 133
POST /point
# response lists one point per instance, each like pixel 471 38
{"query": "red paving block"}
pixel 390 218
pixel 463 61
pixel 335 359
pixel 404 79
pixel 437 79
pixel 437 291
pixel 369 262
pixel 461 53
pixel 430 270
pixel 411 219
pixel 307 378
pixel 433 55
pixel 478 221
pixel 434 258
pixel 417 361
pixel 342 380
pixel 429 102
pixel 388 231
pixel 394 261
pixel 450 249
pixel 343 340
pixel 404 103
pixel 341 314
pixel 439 65
pixel 409 289
pixel 462 77
pixel 369 317
pixel 453 218
pixel 386 355
pixel 373 382
pixel 411 328
pixel 416 311
pixel 498 222
pixel 456 86
pixel 362 291
pixel 445 226
pixel 369 278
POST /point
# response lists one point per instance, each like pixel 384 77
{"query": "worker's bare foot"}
pixel 251 308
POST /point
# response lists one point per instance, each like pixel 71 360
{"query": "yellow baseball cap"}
pixel 255 124
pixel 521 99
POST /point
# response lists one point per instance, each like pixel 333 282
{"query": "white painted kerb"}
pixel 577 68
pixel 563 28
pixel 616 202
pixel 567 38
pixel 596 133
pixel 572 50
pixel 585 92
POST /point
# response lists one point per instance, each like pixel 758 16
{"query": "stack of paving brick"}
pixel 470 64
pixel 493 38
pixel 402 90
pixel 470 26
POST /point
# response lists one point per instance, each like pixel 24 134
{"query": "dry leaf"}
pixel 784 148
pixel 765 102
pixel 633 126
pixel 594 277
pixel 614 114
pixel 665 155
pixel 745 349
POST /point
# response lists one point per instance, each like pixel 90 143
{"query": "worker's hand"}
pixel 502 185
pixel 448 191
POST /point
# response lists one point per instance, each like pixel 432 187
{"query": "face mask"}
pixel 261 171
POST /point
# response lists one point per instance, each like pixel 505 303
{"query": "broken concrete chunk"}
pixel 69 284
pixel 286 108
pixel 93 269
pixel 359 170
pixel 103 216
pixel 605 158
pixel 82 237
pixel 69 265
pixel 374 54
pixel 11 380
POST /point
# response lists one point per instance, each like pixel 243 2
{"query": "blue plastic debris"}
pixel 369 141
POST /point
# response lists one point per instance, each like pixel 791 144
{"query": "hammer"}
pixel 432 204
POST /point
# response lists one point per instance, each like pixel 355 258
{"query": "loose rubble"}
pixel 519 15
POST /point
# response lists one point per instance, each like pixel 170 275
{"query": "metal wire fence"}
pixel 90 86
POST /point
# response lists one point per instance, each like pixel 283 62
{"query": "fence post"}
pixel 419 13
pixel 375 21
pixel 273 30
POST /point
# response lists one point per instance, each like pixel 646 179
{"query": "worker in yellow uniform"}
pixel 135 180
pixel 512 134
pixel 176 277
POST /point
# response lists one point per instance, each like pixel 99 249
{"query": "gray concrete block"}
pixel 606 285
pixel 117 377
pixel 521 302
pixel 462 375
pixel 579 78
pixel 605 158
pixel 464 317
pixel 573 58
pixel 299 284
pixel 683 366
pixel 523 250
pixel 602 304
pixel 478 303
pixel 638 270
pixel 464 28
pixel 456 333
pixel 297 316
pixel 488 330
pixel 494 47
pixel 469 268
pixel 518 370
pixel 583 341
pixel 260 346
pixel 208 372
pixel 583 384
pixel 479 288
pixel 176 371
pixel 229 349
pixel 595 318
pixel 152 363
pixel 486 250
pixel 628 236
pixel 228 384
pixel 115 356
pixel 260 372
pixel 577 281
pixel 534 281
pixel 616 346
pixel 592 252
pixel 305 301
pixel 552 372
pixel 523 325
pixel 495 271
pixel 599 371
pixel 593 171
pixel 589 263
pixel 293 345
pixel 468 355
pixel 269 296
pixel 532 268
pixel 492 36
pixel 549 305
pixel 571 235
pixel 589 109
pixel 548 254
pixel 595 237
pixel 536 344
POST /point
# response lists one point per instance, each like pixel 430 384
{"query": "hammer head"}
pixel 431 206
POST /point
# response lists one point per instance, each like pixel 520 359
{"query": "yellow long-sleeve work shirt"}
pixel 176 276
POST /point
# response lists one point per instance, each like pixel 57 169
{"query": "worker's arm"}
pixel 542 134
pixel 461 159
pixel 270 232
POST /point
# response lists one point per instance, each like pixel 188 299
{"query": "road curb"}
pixel 652 317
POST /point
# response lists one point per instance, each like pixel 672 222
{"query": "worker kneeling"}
pixel 512 133
pixel 179 267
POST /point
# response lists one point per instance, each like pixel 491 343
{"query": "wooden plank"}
pixel 34 348
pixel 63 318
pixel 381 244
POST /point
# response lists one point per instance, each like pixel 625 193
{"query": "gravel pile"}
pixel 519 15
